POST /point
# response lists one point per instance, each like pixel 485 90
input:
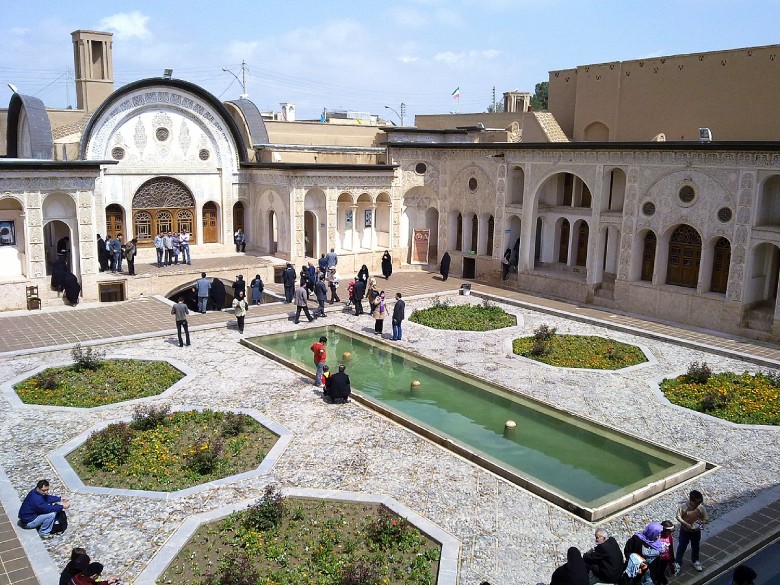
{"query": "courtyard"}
pixel 506 534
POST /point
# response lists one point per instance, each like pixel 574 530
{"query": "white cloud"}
pixel 490 53
pixel 466 57
pixel 448 57
pixel 408 59
pixel 127 25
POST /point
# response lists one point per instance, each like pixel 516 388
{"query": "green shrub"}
pixel 713 400
pixel 442 315
pixel 203 455
pixel 87 359
pixel 235 569
pixel 46 380
pixel 360 572
pixel 772 377
pixel 109 447
pixel 543 336
pixel 233 424
pixel 698 373
pixel 390 531
pixel 149 416
pixel 267 512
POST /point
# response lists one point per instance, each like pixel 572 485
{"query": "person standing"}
pixel 168 245
pixel 288 279
pixel 239 286
pixel 116 254
pixel 184 242
pixel 176 247
pixel 159 247
pixel 239 238
pixel 181 311
pixel 322 263
pixel 203 286
pixel 359 292
pixel 666 557
pixel 257 290
pixel 333 282
pixel 398 316
pixel 130 251
pixel 378 312
pixel 444 266
pixel 692 517
pixel 301 304
pixel 387 264
pixel 102 254
pixel 363 274
pixel 240 306
pixel 39 509
pixel 333 258
pixel 321 294
pixel 320 355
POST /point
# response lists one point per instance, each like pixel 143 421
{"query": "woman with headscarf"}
pixel 379 310
pixel 363 275
pixel 217 294
pixel 257 289
pixel 79 560
pixel 58 270
pixel 646 544
pixel 240 306
pixel 387 264
pixel 574 572
pixel 505 264
pixel 444 267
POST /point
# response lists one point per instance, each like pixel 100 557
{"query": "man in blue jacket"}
pixel 39 509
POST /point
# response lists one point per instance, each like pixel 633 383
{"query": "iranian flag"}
pixel 456 93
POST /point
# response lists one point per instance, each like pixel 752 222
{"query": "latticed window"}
pixel 459 232
pixel 143 226
pixel 164 221
pixel 185 220
pixel 168 205
pixel 491 228
pixel 648 256
pixel 720 266
pixel 474 232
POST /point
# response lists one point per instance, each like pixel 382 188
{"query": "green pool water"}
pixel 576 458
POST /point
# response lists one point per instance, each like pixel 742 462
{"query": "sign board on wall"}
pixel 420 246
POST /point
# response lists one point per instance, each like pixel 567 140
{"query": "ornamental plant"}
pixel 443 315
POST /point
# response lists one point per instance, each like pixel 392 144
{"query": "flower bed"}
pixel 107 382
pixel 288 541
pixel 165 451
pixel 484 317
pixel 739 398
pixel 580 351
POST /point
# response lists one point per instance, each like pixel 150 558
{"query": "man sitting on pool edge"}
pixel 337 389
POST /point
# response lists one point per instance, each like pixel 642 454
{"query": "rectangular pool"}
pixel 587 468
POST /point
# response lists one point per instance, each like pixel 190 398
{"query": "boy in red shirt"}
pixel 318 349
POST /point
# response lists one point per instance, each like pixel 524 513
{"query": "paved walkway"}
pixel 31 332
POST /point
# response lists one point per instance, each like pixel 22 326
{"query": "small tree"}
pixel 87 359
pixel 539 99
pixel 698 373
pixel 543 336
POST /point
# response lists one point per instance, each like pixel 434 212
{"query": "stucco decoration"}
pixel 479 200
pixel 164 115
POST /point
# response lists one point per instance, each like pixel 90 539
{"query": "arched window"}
pixel 114 220
pixel 582 244
pixel 648 257
pixel 169 205
pixel 459 232
pixel 720 266
pixel 143 226
pixel 684 257
pixel 474 232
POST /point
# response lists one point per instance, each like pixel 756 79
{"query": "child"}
pixel 666 559
pixel 692 517
pixel 350 292
pixel 325 376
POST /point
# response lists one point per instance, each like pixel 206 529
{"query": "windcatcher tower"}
pixel 93 62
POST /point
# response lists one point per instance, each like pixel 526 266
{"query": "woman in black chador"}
pixel 444 267
pixel 363 274
pixel 387 264
pixel 72 287
pixel 217 294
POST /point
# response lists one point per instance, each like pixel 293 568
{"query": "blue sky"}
pixel 347 55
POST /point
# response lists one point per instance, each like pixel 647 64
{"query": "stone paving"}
pixel 508 536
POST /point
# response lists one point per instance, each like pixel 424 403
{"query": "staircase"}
pixel 604 295
pixel 760 317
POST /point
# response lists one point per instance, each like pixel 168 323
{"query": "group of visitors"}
pixel 111 252
pixel 648 557
pixel 45 512
pixel 169 245
pixel 335 387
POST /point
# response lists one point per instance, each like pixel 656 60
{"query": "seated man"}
pixel 39 509
pixel 605 560
pixel 338 388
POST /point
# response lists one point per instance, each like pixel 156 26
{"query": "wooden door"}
pixel 684 257
pixel 720 266
pixel 210 225
pixel 114 221
pixel 563 243
pixel 648 257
